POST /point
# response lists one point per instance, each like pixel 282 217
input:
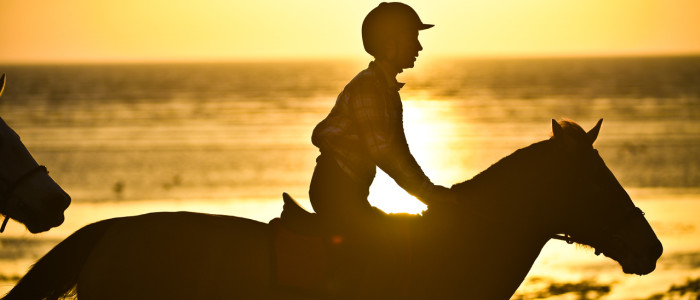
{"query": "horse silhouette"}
pixel 481 247
pixel 27 193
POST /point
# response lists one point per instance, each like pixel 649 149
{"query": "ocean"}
pixel 229 138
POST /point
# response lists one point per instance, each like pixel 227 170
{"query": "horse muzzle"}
pixel 641 262
pixel 45 216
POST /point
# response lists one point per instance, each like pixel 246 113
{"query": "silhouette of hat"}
pixel 389 19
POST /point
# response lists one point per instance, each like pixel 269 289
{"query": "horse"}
pixel 27 193
pixel 479 247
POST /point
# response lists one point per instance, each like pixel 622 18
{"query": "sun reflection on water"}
pixel 426 128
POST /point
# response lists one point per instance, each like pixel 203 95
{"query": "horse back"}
pixel 146 256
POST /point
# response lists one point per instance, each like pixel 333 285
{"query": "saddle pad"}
pixel 302 261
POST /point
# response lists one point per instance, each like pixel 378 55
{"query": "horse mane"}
pixel 510 169
pixel 496 175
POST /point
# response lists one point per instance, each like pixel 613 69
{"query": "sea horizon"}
pixel 284 59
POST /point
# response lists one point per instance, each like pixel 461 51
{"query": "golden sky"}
pixel 164 30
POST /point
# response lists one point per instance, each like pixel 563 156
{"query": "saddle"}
pixel 305 254
pixel 298 220
pixel 300 259
pixel 311 258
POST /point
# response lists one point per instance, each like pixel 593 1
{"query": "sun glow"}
pixel 425 128
pixel 386 195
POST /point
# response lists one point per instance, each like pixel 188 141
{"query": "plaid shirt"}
pixel 365 130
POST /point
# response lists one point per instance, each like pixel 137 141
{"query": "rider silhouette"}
pixel 364 130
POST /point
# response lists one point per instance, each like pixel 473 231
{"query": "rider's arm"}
pixel 381 130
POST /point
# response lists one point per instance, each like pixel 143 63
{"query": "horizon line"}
pixel 291 59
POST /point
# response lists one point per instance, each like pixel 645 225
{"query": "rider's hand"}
pixel 441 194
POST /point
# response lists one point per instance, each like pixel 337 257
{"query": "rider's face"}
pixel 405 49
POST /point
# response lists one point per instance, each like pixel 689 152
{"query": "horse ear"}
pixel 557 131
pixel 2 83
pixel 593 133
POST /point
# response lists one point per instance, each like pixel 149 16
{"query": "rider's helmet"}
pixel 386 21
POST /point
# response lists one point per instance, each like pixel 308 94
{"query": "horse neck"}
pixel 520 189
pixel 499 230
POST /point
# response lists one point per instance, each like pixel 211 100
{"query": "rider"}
pixel 364 130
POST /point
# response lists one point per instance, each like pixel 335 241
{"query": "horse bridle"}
pixel 630 214
pixel 606 230
pixel 12 185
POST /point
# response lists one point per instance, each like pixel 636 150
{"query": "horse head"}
pixel 27 193
pixel 595 210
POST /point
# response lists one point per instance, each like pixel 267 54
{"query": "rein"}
pixel 11 186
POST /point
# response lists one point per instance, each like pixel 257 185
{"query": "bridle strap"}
pixel 563 237
pixel 4 223
pixel 13 185
pixel 636 211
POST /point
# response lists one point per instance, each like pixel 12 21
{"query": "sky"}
pixel 176 30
